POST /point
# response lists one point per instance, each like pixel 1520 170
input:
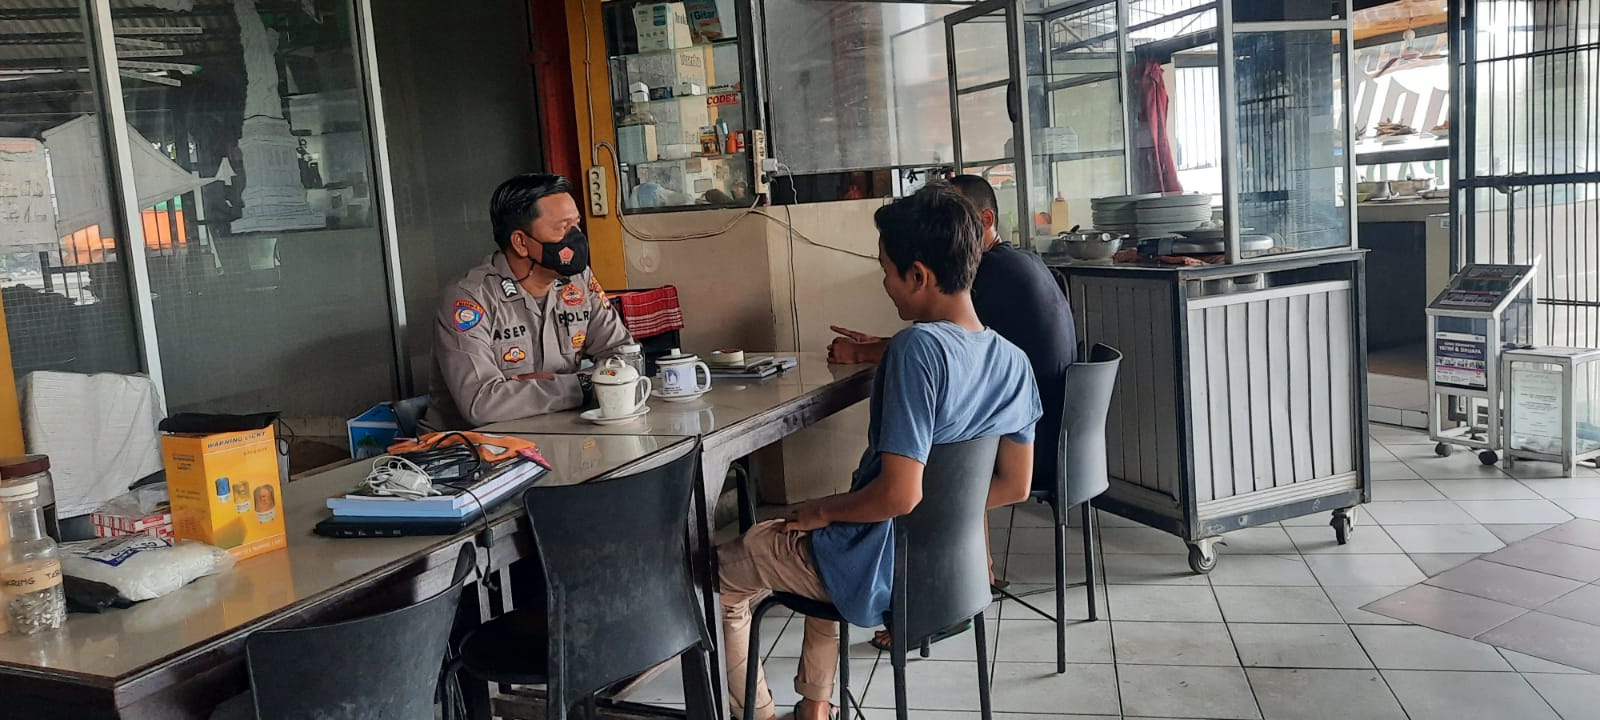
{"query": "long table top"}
pixel 111 648
pixel 730 403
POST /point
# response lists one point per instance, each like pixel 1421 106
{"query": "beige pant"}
pixel 770 558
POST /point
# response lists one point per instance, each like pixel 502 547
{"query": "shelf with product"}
pixel 681 109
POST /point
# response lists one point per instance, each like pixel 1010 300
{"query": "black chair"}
pixel 1080 475
pixel 941 573
pixel 619 597
pixel 380 667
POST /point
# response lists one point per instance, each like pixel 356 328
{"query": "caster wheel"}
pixel 1488 457
pixel 1202 558
pixel 1442 450
pixel 1342 527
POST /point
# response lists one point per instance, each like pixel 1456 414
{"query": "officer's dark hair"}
pixel 936 226
pixel 978 191
pixel 515 203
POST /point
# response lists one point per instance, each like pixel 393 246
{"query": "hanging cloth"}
pixel 1158 170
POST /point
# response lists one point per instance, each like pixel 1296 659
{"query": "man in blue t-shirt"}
pixel 945 379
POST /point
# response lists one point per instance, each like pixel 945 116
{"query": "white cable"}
pixel 398 477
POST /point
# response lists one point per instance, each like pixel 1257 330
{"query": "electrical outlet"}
pixel 758 154
pixel 599 197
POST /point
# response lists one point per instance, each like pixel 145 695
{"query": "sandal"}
pixel 882 643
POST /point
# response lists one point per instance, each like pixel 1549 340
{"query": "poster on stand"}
pixel 27 218
pixel 1461 360
pixel 1536 411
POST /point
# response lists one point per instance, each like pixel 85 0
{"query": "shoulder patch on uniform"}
pixel 577 340
pixel 572 295
pixel 509 288
pixel 594 287
pixel 467 315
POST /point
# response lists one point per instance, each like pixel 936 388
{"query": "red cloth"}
pixel 1158 170
pixel 649 313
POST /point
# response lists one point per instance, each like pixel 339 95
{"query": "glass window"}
pixel 1291 188
pixel 857 86
pixel 267 270
pixel 63 265
pixel 1277 10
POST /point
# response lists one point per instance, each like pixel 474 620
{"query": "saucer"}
pixel 677 398
pixel 594 416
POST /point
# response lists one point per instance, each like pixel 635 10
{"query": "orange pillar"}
pixel 591 96
pixel 10 409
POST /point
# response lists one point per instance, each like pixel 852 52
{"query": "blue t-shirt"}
pixel 937 384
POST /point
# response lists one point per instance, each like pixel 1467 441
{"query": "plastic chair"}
pixel 1080 475
pixel 941 573
pixel 618 591
pixel 380 667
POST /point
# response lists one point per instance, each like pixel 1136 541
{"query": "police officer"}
pixel 511 333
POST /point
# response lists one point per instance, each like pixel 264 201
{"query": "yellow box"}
pixel 224 490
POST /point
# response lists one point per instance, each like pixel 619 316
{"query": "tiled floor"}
pixel 1277 630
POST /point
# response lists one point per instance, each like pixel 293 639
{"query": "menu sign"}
pixel 1480 287
pixel 1461 360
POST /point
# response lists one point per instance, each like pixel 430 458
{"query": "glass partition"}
pixel 1289 131
pixel 63 246
pixel 254 163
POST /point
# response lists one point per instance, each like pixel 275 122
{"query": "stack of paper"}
pixel 457 500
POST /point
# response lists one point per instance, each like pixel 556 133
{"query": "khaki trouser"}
pixel 771 558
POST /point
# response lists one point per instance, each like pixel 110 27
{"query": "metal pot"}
pixel 1088 245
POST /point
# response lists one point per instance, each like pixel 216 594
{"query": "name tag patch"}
pixel 511 332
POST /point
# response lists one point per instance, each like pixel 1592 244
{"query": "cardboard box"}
pixel 668 71
pixel 679 120
pixel 372 432
pixel 156 524
pixel 637 144
pixel 661 26
pixel 225 491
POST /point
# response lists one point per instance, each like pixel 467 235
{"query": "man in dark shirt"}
pixel 1016 296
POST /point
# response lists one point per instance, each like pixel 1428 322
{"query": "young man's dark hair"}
pixel 938 227
pixel 516 202
pixel 978 191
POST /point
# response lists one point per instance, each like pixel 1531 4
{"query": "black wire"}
pixel 486 575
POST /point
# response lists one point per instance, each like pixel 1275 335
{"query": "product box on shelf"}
pixel 224 490
pixel 668 74
pixel 661 26
pixel 156 524
pixel 678 121
pixel 637 143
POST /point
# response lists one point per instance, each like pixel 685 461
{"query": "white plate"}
pixel 594 417
pixel 676 398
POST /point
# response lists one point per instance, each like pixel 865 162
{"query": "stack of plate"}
pixel 1118 213
pixel 1170 213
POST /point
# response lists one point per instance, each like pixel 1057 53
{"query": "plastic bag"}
pixel 137 503
pixel 141 567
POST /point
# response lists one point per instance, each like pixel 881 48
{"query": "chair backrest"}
pixel 1081 454
pixel 941 566
pixel 380 667
pixel 619 593
pixel 408 413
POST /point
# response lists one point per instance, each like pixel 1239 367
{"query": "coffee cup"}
pixel 619 389
pixel 681 373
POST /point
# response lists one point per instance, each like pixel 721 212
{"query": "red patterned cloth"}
pixel 649 313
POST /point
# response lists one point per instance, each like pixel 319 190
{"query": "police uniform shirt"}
pixel 489 331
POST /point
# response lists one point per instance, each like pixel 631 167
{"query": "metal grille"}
pixel 1529 158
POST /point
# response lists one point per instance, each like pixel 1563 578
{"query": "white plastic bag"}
pixel 142 567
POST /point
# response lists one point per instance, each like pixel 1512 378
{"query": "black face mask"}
pixel 568 257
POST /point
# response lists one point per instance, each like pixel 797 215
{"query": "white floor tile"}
pixel 1461 538
pixel 1368 539
pixel 1418 512
pixel 1321 694
pixel 1035 641
pixel 1298 646
pixel 1484 489
pixel 1514 511
pixel 1036 688
pixel 1163 603
pixel 1276 605
pixel 1174 691
pixel 1434 695
pixel 1269 570
pixel 1411 647
pixel 1364 570
pixel 1572 696
pixel 1161 643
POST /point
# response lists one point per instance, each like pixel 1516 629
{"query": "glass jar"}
pixel 34 469
pixel 30 571
pixel 633 355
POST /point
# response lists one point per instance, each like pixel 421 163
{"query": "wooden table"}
pixel 178 656
pixel 734 419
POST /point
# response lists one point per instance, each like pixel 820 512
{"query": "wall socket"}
pixel 599 196
pixel 758 157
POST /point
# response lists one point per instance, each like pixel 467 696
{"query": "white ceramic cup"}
pixel 624 399
pixel 680 374
pixel 620 390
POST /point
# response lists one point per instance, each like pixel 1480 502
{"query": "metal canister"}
pixel 34 469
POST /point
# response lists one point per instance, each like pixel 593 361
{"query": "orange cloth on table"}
pixel 491 447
